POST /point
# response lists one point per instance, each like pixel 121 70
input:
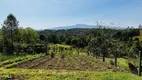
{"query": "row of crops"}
pixel 14 60
pixel 60 56
pixel 18 60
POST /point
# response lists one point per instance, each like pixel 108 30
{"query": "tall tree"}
pixel 9 28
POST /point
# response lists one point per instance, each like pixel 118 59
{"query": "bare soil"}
pixel 67 63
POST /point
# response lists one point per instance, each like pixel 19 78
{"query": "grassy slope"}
pixel 39 74
pixel 121 62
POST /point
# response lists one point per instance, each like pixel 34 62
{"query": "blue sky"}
pixel 42 14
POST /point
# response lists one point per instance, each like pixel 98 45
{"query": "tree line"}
pixel 98 41
pixel 15 39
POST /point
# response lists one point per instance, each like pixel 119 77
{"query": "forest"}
pixel 98 40
pixel 76 54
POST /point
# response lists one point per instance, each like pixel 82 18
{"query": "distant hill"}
pixel 83 26
pixel 74 26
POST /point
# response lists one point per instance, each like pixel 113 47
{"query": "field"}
pixel 97 51
pixel 41 74
pixel 65 64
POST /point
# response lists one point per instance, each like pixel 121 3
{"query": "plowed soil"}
pixel 67 63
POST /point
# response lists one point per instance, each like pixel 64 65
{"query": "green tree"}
pixel 1 41
pixel 31 36
pixel 9 28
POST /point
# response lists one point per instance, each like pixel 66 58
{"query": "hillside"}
pixel 74 26
pixel 85 26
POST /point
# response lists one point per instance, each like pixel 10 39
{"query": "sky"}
pixel 45 14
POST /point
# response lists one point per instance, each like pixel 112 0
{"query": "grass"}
pixel 41 74
pixel 121 62
pixel 59 45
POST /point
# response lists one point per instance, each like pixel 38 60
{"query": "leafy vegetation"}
pixel 97 40
pixel 16 40
pixel 18 60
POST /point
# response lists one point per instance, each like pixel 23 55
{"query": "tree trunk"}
pixel 103 57
pixel 46 48
pixel 96 54
pixel 11 39
pixel 139 72
pixel 78 51
pixel 115 63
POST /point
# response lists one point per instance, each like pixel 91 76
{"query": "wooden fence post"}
pixel 139 71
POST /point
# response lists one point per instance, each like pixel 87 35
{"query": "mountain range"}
pixel 83 26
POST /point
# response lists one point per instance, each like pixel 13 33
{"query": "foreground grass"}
pixel 121 62
pixel 41 74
